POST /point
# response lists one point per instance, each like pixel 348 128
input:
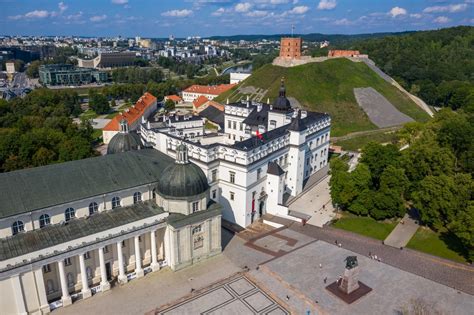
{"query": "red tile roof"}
pixel 217 105
pixel 133 113
pixel 209 89
pixel 201 100
pixel 174 98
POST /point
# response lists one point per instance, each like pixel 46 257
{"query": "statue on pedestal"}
pixel 350 280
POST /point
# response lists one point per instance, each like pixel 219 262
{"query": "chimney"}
pixel 268 100
pixel 259 107
pixel 248 101
pixel 304 114
pixel 227 101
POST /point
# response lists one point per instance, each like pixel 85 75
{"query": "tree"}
pixel 98 103
pixel 169 105
pixel 377 157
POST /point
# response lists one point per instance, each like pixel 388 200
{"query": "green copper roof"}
pixel 31 189
pixel 55 234
pixel 182 180
pixel 123 142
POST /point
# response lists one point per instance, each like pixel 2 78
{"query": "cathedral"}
pixel 155 200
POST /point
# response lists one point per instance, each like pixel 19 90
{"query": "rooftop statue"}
pixel 351 262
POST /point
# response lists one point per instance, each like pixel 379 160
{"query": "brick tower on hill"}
pixel 290 47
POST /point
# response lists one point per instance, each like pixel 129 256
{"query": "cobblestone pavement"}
pixel 455 275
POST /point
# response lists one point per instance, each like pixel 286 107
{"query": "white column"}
pixel 65 298
pixel 154 262
pixel 18 292
pixel 40 288
pixel 104 284
pixel 122 278
pixel 138 260
pixel 86 292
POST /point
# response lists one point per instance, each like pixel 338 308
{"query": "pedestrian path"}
pixel 402 233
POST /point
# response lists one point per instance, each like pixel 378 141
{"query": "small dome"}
pixel 124 140
pixel 182 179
pixel 282 103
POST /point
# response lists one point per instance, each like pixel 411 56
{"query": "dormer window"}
pixel 115 202
pixel 44 220
pixel 69 214
pixel 195 206
pixel 18 227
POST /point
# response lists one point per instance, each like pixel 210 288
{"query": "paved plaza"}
pixel 316 202
pixel 282 271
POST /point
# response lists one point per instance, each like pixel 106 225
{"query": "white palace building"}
pixel 154 201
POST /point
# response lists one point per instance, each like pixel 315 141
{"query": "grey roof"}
pixel 255 142
pixel 55 234
pixel 123 142
pixel 275 169
pixel 281 103
pixel 40 187
pixel 256 117
pixel 213 114
pixel 182 180
pixel 178 220
pixel 297 123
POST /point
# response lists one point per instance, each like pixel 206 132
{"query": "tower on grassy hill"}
pixel 290 47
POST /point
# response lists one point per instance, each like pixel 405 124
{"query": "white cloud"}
pixel 119 1
pixel 343 22
pixel 98 18
pixel 257 13
pixel 302 9
pixel 62 7
pixel 37 14
pixel 178 13
pixel 416 16
pixel 327 4
pixel 441 20
pixel 451 8
pixel 218 12
pixel 243 7
pixel 74 16
pixel 396 11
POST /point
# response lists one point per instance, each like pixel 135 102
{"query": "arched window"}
pixel 93 208
pixel 70 280
pixel 44 220
pixel 18 227
pixel 69 214
pixel 115 202
pixel 89 273
pixel 137 197
pixel 153 194
pixel 49 286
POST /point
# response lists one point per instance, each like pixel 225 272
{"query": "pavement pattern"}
pixel 237 295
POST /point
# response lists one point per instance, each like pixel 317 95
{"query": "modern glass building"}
pixel 65 74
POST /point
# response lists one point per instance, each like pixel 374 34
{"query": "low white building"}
pixel 237 77
pixel 209 91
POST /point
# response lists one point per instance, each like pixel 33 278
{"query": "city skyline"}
pixel 228 17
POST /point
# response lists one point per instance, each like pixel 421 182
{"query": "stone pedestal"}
pixel 66 300
pixel 350 280
pixel 122 279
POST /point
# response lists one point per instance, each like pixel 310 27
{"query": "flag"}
pixel 259 135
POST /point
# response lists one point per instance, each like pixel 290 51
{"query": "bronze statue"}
pixel 351 262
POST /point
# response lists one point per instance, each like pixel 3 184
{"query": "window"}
pixel 139 238
pixel 106 249
pixel 69 214
pixel 115 202
pixel 89 273
pixel 213 175
pixel 229 124
pixel 214 194
pixel 195 206
pixel 273 124
pixel 137 197
pixel 197 229
pixel 50 286
pixel 93 208
pixel 153 193
pixel 232 195
pixel 241 126
pixel 87 255
pixel 232 177
pixel 47 268
pixel 259 173
pixel 67 261
pixel 234 125
pixel 18 227
pixel 44 220
pixel 70 280
pixel 123 243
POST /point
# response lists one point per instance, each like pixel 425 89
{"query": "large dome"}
pixel 182 179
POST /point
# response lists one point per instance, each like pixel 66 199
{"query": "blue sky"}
pixel 160 18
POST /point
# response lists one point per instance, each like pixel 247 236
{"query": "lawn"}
pixel 437 244
pixel 329 87
pixel 357 143
pixel 365 226
pixel 89 114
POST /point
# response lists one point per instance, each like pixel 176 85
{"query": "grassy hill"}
pixel 328 87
